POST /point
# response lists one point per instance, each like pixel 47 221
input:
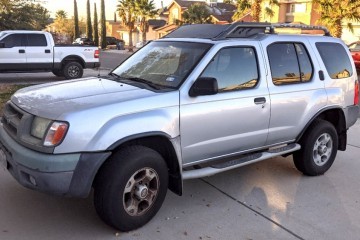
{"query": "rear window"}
pixel 36 40
pixel 336 59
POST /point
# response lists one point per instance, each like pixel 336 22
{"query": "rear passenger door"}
pixel 296 92
pixel 237 117
pixel 12 56
pixel 39 54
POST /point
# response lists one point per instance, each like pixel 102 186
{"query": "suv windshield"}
pixel 165 64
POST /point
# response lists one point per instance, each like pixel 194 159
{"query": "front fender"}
pixel 162 121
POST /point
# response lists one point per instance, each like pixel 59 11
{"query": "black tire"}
pixel 133 167
pixel 58 72
pixel 318 149
pixel 72 70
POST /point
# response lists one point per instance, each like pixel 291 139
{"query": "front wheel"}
pixel 131 187
pixel 318 149
pixel 73 70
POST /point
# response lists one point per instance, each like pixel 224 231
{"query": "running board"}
pixel 225 166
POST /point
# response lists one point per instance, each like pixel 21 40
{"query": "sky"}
pixel 68 6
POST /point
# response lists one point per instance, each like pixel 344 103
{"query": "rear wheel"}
pixel 131 187
pixel 72 70
pixel 318 148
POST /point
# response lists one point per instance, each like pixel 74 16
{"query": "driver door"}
pixel 233 120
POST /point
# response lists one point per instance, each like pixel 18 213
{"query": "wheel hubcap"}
pixel 73 71
pixel 141 191
pixel 322 149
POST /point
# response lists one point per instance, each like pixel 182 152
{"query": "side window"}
pixel 336 60
pixel 13 40
pixel 234 68
pixel 289 63
pixel 36 40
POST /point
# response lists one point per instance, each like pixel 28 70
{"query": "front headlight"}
pixel 39 127
pixel 53 132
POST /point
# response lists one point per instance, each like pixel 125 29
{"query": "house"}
pixel 221 13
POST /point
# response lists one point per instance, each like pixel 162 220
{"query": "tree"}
pixel 88 20
pixel 76 33
pixel 96 27
pixel 23 14
pixel 197 13
pixel 103 25
pixel 243 6
pixel 145 9
pixel 334 12
pixel 127 13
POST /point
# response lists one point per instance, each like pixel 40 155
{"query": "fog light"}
pixel 32 180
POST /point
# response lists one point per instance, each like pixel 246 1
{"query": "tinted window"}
pixel 13 40
pixel 36 40
pixel 234 69
pixel 289 63
pixel 336 60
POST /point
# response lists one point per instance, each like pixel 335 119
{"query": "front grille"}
pixel 12 119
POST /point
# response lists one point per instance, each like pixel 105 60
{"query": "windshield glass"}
pixel 165 64
pixel 2 34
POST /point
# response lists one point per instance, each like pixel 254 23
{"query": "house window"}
pixel 297 8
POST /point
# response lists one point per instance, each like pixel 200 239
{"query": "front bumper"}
pixel 59 174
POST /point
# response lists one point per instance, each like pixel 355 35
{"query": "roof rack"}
pixel 249 29
pixel 235 30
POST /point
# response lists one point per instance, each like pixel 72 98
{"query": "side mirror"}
pixel 204 86
pixel 2 45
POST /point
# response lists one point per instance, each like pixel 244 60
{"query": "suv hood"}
pixel 54 99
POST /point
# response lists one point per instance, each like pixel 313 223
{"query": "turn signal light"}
pixel 56 133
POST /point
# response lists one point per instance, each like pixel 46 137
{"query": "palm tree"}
pixel 145 9
pixel 244 5
pixel 333 12
pixel 127 13
pixel 197 13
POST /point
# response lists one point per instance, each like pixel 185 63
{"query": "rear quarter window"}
pixel 336 59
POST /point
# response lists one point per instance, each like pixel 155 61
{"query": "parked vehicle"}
pixel 29 51
pixel 84 41
pixel 203 100
pixel 355 53
pixel 120 44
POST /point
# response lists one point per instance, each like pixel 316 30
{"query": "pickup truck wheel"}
pixel 131 187
pixel 58 73
pixel 73 70
pixel 318 149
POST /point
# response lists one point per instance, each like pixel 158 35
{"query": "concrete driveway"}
pixel 267 200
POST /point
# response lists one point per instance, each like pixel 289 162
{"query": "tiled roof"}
pixel 226 6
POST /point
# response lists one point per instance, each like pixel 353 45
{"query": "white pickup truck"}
pixel 33 51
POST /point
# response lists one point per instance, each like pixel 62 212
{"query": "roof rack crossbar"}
pixel 248 29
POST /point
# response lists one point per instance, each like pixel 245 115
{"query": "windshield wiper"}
pixel 147 82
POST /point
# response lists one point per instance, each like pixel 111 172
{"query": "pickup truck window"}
pixel 336 60
pixel 165 64
pixel 289 63
pixel 234 68
pixel 13 40
pixel 36 40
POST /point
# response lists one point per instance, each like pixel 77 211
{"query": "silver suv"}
pixel 202 100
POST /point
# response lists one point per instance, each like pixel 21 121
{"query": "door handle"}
pixel 260 100
pixel 21 51
pixel 47 51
